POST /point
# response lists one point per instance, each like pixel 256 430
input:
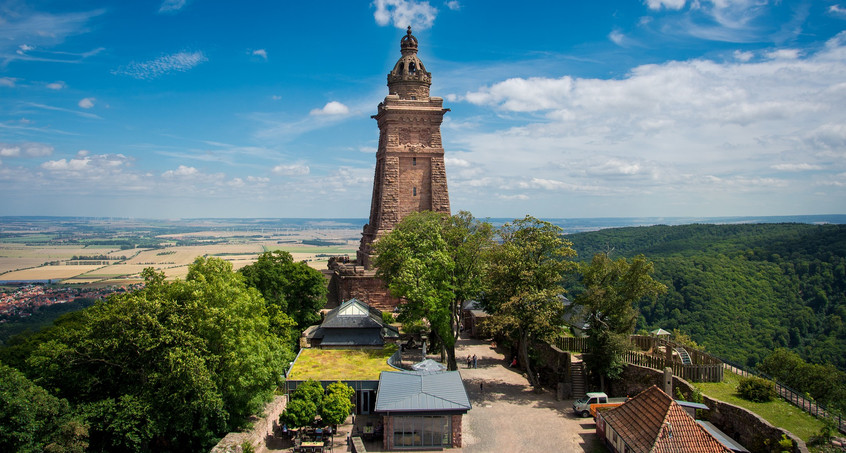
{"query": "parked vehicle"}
pixel 582 406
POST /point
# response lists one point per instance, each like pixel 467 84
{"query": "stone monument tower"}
pixel 410 174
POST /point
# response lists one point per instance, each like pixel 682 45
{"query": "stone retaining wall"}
pixel 744 426
pixel 262 427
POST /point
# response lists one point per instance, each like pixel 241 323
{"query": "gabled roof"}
pixel 353 314
pixel 653 422
pixel 421 392
pixel 351 337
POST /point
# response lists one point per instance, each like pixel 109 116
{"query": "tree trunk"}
pixel 452 365
pixel 524 357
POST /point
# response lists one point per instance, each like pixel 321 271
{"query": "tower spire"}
pixel 409 79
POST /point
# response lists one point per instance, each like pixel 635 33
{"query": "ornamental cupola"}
pixel 409 79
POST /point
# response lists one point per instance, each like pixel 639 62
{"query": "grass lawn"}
pixel 778 412
pixel 342 364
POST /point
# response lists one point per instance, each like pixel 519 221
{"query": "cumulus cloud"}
pixel 25 150
pixel 837 10
pixel 402 13
pixel 617 37
pixel 743 56
pixel 57 85
pixel 292 170
pixel 181 172
pixel 260 53
pixel 171 6
pixel 332 108
pixel 85 165
pixel 453 5
pixel 147 70
pixel 86 103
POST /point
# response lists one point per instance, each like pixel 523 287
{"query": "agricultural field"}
pixel 94 252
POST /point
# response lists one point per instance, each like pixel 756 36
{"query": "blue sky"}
pixel 199 108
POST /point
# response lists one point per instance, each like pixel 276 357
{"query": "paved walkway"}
pixel 508 416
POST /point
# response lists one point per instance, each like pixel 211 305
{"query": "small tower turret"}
pixel 409 79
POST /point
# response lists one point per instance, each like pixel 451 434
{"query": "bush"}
pixel 756 389
pixel 388 318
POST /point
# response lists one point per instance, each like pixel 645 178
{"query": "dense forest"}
pixel 742 291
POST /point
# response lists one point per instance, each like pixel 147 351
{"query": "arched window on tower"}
pixel 412 67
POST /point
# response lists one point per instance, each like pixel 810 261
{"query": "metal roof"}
pixel 693 405
pixel 722 437
pixel 421 392
pixel 351 337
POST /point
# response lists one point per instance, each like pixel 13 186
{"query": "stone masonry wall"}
pixel 752 431
pixel 456 431
pixel 257 435
pixel 365 287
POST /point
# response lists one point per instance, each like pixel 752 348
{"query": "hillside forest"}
pixel 741 291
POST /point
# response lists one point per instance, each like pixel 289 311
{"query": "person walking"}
pixel 469 361
pixel 475 361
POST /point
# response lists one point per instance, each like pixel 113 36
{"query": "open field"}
pixel 26 250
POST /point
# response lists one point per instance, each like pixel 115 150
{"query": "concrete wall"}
pixel 752 431
pixel 262 427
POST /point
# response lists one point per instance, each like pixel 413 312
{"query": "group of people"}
pixel 472 362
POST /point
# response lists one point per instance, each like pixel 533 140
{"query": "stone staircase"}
pixel 577 374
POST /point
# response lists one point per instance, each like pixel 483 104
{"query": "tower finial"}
pixel 409 30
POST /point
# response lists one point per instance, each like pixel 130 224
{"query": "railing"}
pixel 792 396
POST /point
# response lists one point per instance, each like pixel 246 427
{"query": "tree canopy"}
pixel 291 289
pixel 434 262
pixel 170 367
pixel 611 290
pixel 525 275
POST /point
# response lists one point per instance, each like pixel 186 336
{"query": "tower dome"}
pixel 409 79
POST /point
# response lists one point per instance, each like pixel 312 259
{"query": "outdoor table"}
pixel 311 446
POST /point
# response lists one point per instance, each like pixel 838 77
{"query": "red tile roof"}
pixel 653 422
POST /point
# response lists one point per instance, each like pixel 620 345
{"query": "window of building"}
pixel 426 431
pixel 414 191
pixel 414 98
pixel 413 159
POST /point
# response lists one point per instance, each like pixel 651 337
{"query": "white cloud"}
pixel 86 103
pixel 403 13
pixel 260 53
pixel 453 5
pixel 39 31
pixel 455 162
pixel 837 9
pixel 617 37
pixel 292 170
pixel 743 56
pixel 23 49
pixel 7 81
pixel 783 54
pixel 669 4
pixel 797 167
pixel 332 108
pixel 178 62
pixel 29 149
pixel 170 6
pixel 88 166
pixel 276 97
pixel 181 172
pixel 57 85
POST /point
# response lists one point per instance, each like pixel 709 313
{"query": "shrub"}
pixel 756 389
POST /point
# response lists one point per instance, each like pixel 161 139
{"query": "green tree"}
pixel 525 293
pixel 435 262
pixel 612 288
pixel 174 365
pixel 290 289
pixel 33 420
pixel 337 403
pixel 304 405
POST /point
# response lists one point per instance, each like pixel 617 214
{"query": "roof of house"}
pixel 421 392
pixel 653 422
pixel 353 323
pixel 724 439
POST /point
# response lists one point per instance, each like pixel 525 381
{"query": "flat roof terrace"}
pixel 341 364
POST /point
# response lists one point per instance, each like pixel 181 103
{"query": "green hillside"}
pixel 742 290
